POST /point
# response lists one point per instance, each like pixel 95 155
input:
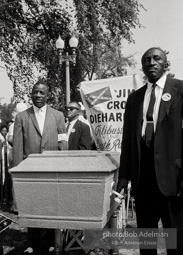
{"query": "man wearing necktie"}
pixel 79 138
pixel 152 149
pixel 36 129
pixel 78 132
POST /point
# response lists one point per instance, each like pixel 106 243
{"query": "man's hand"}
pixel 63 145
pixel 122 183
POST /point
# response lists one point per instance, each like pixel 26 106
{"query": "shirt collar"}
pixel 73 121
pixel 160 83
pixel 42 109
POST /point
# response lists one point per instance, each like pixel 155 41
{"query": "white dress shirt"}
pixel 40 114
pixel 158 93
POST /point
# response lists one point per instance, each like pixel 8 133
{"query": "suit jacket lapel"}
pixel 75 127
pixel 139 115
pixel 47 118
pixel 165 105
pixel 33 118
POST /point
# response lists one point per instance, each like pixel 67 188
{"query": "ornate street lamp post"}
pixel 65 57
pixel 60 44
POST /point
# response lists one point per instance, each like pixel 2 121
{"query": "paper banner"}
pixel 105 102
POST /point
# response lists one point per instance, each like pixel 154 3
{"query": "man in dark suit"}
pixel 38 128
pixel 152 149
pixel 79 137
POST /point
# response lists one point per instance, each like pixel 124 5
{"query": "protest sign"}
pixel 105 102
pixel 4 223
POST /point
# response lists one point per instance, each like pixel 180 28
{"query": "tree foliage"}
pixel 113 63
pixel 6 111
pixel 29 29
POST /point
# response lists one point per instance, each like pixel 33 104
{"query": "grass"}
pixel 15 241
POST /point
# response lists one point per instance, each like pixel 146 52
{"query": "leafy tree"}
pixel 113 63
pixel 6 111
pixel 29 29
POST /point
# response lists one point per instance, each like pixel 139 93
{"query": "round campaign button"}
pixel 166 97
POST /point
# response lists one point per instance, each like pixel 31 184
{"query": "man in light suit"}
pixel 38 128
pixel 152 149
pixel 79 137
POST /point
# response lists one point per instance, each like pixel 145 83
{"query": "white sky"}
pixel 6 86
pixel 162 24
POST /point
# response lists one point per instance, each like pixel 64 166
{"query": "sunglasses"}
pixel 71 108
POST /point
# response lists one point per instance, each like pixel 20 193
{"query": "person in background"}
pixel 79 138
pixel 20 107
pixel 78 132
pixel 10 123
pixel 36 129
pixel 3 133
pixel 152 150
pixel 4 175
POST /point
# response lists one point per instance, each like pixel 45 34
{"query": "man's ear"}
pixel 167 64
pixel 47 95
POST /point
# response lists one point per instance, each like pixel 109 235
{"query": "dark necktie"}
pixel 67 128
pixel 149 133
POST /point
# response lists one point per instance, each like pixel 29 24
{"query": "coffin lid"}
pixel 69 161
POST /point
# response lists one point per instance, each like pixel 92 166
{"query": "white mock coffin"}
pixel 65 189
